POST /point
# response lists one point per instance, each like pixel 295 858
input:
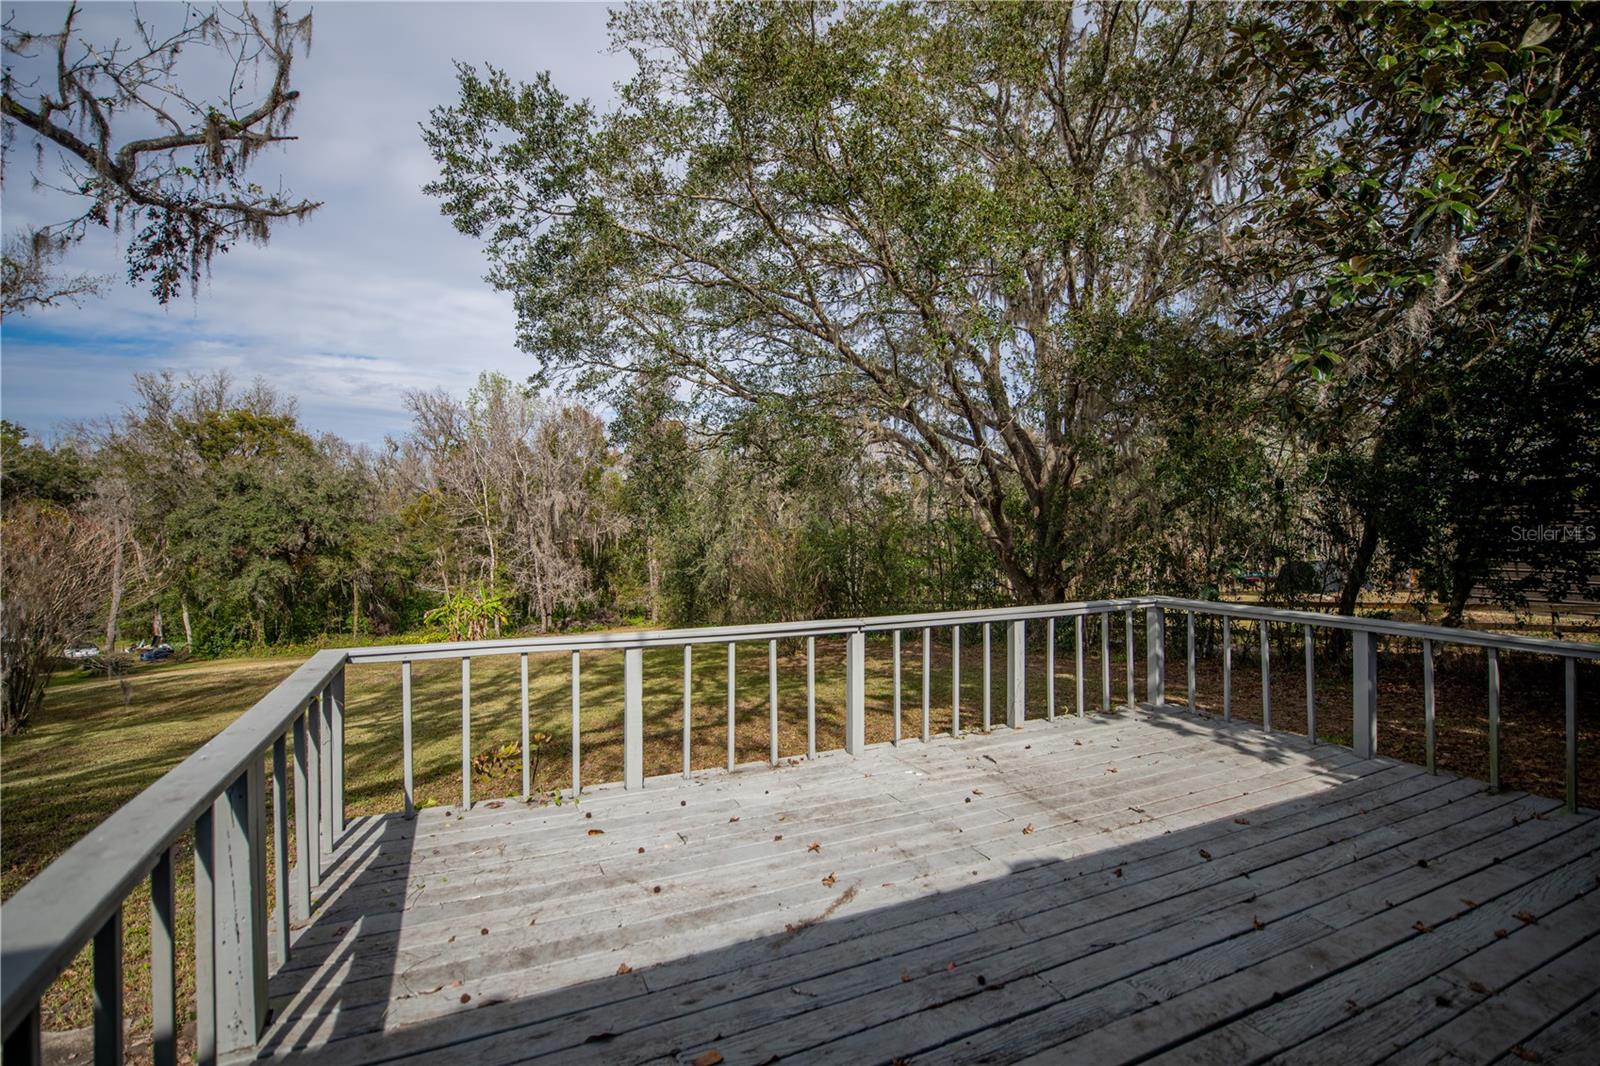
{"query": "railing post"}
pixel 304 829
pixel 336 689
pixel 772 702
pixel 1227 668
pixel 1189 627
pixel 1105 660
pixel 1572 733
pixel 1266 679
pixel 927 682
pixel 466 733
pixel 1077 660
pixel 1364 694
pixel 1127 654
pixel 1016 673
pixel 955 681
pixel 1494 719
pixel 1430 729
pixel 405 740
pixel 1155 655
pixel 163 961
pixel 988 682
pixel 1311 685
pixel 108 992
pixel 633 718
pixel 1050 670
pixel 855 694
pixel 895 642
pixel 527 774
pixel 240 986
pixel 577 728
pixel 280 846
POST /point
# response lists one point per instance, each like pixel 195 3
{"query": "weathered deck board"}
pixel 1111 889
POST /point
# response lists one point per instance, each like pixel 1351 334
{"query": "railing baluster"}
pixel 731 697
pixel 1077 659
pixel 1311 685
pixel 1494 719
pixel 1105 660
pixel 527 759
pixel 633 718
pixel 1127 649
pixel 895 645
pixel 987 723
pixel 325 769
pixel 927 680
pixel 577 731
pixel 1227 668
pixel 1571 672
pixel 1050 669
pixel 955 681
pixel 405 739
pixel 303 831
pixel 164 959
pixel 108 991
pixel 24 1045
pixel 338 710
pixel 772 701
pixel 205 954
pixel 1430 731
pixel 466 733
pixel 280 846
pixel 1266 679
pixel 688 706
pixel 1189 627
pixel 314 790
pixel 811 697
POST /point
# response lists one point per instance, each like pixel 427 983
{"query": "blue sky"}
pixel 376 294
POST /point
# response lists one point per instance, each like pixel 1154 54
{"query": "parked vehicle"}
pixel 156 654
pixel 80 650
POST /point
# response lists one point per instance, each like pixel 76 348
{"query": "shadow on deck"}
pixel 1111 889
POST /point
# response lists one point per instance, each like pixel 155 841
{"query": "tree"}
pixel 53 582
pixel 143 151
pixel 978 235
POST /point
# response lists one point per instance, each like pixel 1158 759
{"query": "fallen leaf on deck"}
pixel 905 975
pixel 495 805
pixel 597 832
pixel 707 1058
pixel 777 837
pixel 815 845
pixel 1027 830
pixel 735 818
pixel 466 997
pixel 1527 1055
pixel 483 932
pixel 977 792
pixel 1204 854
pixel 1421 927
pixel 1470 904
pixel 950 967
pixel 623 969
pixel 641 851
pixel 1258 923
pixel 829 880
pixel 1526 917
pixel 1501 934
pixel 1117 872
pixel 1479 987
pixel 1242 821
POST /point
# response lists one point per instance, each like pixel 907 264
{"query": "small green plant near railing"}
pixel 504 760
pixel 470 615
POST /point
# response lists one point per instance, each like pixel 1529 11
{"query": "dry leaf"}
pixel 483 932
pixel 641 851
pixel 1526 917
pixel 1479 987
pixel 1421 927
pixel 1027 830
pixel 466 997
pixel 977 792
pixel 777 837
pixel 905 975
pixel 1501 934
pixel 1527 1054
pixel 1258 923
pixel 735 818
pixel 815 845
pixel 597 832
pixel 1111 769
pixel 1204 854
pixel 495 805
pixel 707 1058
pixel 1241 821
pixel 1117 872
pixel 829 881
pixel 624 969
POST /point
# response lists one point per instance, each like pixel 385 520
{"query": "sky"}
pixel 376 294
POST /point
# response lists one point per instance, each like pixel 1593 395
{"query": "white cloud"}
pixel 376 293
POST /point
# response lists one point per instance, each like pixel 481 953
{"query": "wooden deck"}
pixel 1116 889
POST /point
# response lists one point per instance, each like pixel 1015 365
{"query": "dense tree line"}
pixel 869 308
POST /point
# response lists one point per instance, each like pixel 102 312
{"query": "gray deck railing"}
pixel 219 792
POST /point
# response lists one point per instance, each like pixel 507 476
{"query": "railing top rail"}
pixel 654 638
pixel 51 917
pixel 1407 630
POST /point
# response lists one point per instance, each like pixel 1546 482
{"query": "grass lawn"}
pixel 97 742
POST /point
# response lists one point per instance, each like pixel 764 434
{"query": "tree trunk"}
pixel 1360 564
pixel 188 633
pixel 116 596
